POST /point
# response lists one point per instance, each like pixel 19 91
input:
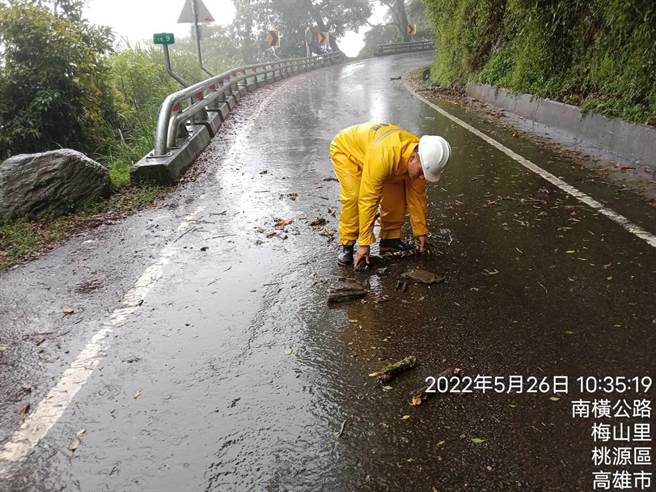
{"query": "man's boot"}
pixel 345 256
pixel 393 245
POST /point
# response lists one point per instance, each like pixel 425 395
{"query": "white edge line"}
pixel 634 229
pixel 49 410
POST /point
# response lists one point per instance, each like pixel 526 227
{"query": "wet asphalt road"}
pixel 246 375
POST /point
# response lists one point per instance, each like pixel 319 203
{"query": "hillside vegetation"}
pixel 599 54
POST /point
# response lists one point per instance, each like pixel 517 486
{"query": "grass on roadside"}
pixel 24 239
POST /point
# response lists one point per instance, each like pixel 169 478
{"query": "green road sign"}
pixel 164 38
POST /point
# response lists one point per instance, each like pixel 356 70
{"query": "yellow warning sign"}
pixel 273 39
pixel 323 38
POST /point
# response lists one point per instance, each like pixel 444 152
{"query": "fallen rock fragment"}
pixel 422 276
pixel 346 290
pixel 49 183
pixel 420 395
pixel 390 371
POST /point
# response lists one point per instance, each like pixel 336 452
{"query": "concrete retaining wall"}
pixel 611 137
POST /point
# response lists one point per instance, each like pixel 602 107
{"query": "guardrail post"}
pixel 393 48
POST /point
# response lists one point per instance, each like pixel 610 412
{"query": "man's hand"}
pixel 361 255
pixel 423 243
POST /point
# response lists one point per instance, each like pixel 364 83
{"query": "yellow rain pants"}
pixel 371 164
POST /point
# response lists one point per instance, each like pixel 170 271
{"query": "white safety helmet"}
pixel 434 153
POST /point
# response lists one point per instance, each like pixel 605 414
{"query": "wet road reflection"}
pixel 252 382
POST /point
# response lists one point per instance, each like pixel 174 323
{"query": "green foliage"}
pixel 139 83
pixel 61 86
pixel 600 54
pixel 52 81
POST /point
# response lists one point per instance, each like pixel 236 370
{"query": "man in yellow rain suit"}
pixel 382 164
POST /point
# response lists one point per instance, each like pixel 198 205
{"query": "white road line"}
pixel 634 229
pixel 51 408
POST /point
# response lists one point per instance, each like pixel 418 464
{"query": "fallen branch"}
pixel 341 430
pixel 375 260
pixel 420 395
pixel 184 234
pixel 390 371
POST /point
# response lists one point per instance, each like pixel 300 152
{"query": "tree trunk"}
pixel 402 16
pixel 397 7
pixel 316 15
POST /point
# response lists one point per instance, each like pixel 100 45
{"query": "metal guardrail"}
pixel 192 104
pixel 392 48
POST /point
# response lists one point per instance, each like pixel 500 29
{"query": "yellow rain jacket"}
pixel 371 164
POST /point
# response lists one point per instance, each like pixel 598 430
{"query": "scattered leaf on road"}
pixel 554 398
pixel 405 417
pixel 75 442
pixel 24 411
pixel 68 311
pixel 137 394
pixel 477 440
pixel 279 223
pixel 318 222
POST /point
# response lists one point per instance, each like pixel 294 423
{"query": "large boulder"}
pixel 34 185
